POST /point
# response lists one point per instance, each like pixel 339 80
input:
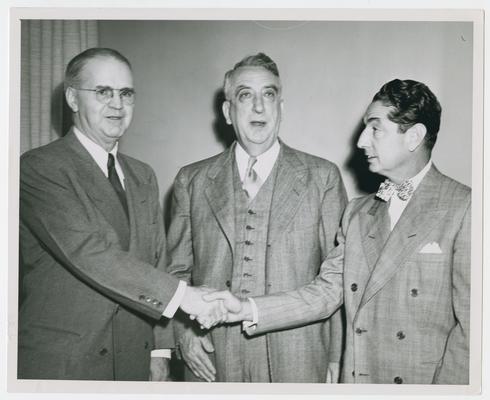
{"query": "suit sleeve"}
pixel 454 369
pixel 179 244
pixel 323 296
pixel 60 215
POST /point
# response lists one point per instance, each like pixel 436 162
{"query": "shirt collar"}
pixel 418 178
pixel 96 151
pixel 265 161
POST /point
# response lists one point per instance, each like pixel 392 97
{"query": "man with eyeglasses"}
pixel 92 243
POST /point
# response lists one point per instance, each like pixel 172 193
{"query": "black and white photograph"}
pixel 203 198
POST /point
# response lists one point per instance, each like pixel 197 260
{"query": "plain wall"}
pixel 329 70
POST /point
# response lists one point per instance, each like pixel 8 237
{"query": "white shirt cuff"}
pixel 255 315
pixel 165 353
pixel 176 300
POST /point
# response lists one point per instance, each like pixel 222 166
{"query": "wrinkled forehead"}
pixel 107 71
pixel 256 78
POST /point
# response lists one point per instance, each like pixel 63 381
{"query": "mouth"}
pixel 370 157
pixel 258 124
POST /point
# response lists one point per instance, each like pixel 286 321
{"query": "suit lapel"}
pixel 289 190
pixel 220 194
pixel 421 215
pixel 98 187
pixel 137 194
pixel 375 229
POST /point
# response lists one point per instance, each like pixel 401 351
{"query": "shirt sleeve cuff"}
pixel 164 353
pixel 176 300
pixel 255 315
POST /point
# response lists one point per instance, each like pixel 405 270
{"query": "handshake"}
pixel 212 307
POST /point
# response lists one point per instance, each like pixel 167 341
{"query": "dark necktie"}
pixel 116 183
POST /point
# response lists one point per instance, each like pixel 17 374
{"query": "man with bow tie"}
pixel 406 255
pixel 258 218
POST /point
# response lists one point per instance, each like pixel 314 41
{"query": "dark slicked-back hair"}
pixel 75 66
pixel 412 103
pixel 256 60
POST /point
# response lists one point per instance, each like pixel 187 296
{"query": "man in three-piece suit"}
pixel 256 219
pixel 92 244
pixel 406 256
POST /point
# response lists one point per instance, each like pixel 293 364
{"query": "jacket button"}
pixel 228 284
pixel 353 374
pixel 142 297
pixel 414 292
pixel 148 299
pixel 147 344
pixel 353 287
pixel 398 380
pixel 248 242
pixel 400 335
pixel 245 291
pixel 359 331
pixel 247 258
pixel 246 275
pixel 249 228
pixel 155 302
pixel 251 212
pixel 160 304
pixel 103 351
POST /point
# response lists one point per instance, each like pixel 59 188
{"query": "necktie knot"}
pixel 111 163
pixel 388 188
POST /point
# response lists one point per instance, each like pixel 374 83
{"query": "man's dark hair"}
pixel 75 66
pixel 412 103
pixel 256 60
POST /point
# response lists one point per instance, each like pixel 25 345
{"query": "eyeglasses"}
pixel 104 94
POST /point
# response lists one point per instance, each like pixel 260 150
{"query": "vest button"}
pixel 353 374
pixel 353 287
pixel 103 351
pixel 398 380
pixel 228 284
pixel 251 212
pixel 359 331
pixel 400 335
pixel 249 228
pixel 245 291
pixel 414 292
pixel 248 242
pixel 247 258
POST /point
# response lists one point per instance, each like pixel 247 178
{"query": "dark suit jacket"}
pixel 307 203
pixel 92 287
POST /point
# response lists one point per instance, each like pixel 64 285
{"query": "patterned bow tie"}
pixel 388 188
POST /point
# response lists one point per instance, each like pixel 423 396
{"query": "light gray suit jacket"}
pixel 307 203
pixel 407 303
pixel 92 287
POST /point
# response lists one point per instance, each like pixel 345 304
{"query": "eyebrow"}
pixel 370 119
pixel 241 87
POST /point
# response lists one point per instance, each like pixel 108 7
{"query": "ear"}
pixel 71 99
pixel 226 111
pixel 415 136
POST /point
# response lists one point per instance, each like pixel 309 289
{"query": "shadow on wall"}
pixel 357 165
pixel 224 134
pixel 61 114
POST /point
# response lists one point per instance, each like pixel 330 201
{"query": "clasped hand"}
pixel 211 307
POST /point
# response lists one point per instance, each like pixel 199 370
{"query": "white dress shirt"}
pixel 397 205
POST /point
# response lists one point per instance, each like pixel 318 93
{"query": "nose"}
pixel 258 105
pixel 363 140
pixel 116 100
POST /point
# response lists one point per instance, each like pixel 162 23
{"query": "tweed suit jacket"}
pixel 407 294
pixel 307 203
pixel 92 287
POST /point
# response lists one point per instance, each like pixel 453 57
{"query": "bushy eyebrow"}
pixel 241 87
pixel 370 119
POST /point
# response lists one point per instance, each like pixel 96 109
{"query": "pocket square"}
pixel 432 248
